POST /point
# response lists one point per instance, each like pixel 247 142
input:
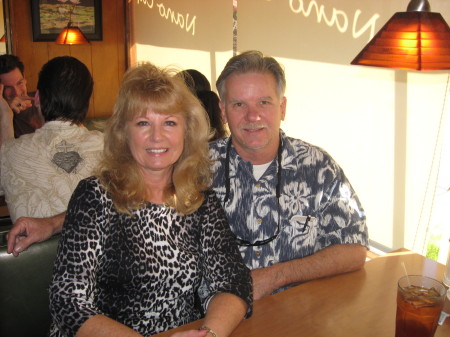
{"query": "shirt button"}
pixel 258 254
pixel 259 220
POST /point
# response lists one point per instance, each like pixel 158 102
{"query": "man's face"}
pixel 254 110
pixel 14 84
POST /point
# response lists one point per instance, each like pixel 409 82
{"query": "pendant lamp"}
pixel 71 35
pixel 417 39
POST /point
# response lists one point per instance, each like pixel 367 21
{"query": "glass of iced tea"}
pixel 420 300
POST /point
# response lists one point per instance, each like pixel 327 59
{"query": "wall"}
pixel 105 59
pixel 381 125
pixel 2 30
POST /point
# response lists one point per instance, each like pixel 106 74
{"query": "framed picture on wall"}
pixel 49 17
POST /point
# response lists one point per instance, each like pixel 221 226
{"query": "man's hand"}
pixel 17 104
pixel 27 231
pixel 20 103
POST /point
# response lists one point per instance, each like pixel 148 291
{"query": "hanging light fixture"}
pixel 416 39
pixel 71 34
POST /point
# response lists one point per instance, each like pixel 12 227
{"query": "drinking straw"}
pixel 406 273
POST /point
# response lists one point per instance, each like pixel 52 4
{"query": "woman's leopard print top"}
pixel 152 271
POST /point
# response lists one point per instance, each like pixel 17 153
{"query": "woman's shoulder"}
pixel 91 184
pixel 90 194
pixel 211 201
pixel 210 195
pixel 90 181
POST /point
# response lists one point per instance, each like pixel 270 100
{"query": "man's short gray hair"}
pixel 251 61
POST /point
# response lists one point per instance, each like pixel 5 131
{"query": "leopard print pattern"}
pixel 152 271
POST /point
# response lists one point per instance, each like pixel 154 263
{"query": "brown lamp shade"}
pixel 71 35
pixel 409 40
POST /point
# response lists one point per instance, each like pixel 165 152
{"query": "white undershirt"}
pixel 258 170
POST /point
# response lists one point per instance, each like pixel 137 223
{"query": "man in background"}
pixel 39 171
pixel 18 114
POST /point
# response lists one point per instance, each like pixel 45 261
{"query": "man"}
pixel 290 205
pixel 39 171
pixel 17 112
pixel 295 215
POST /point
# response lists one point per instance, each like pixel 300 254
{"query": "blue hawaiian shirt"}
pixel 317 206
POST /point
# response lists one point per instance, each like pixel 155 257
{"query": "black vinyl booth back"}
pixel 24 282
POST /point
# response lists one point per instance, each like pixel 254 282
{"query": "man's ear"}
pixel 37 102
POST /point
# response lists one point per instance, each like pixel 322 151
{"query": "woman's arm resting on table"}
pixel 191 333
pixel 27 231
pixel 333 260
pixel 102 326
pixel 225 311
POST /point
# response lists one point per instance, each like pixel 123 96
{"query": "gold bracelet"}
pixel 204 327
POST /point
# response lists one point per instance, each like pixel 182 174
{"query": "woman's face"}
pixel 156 141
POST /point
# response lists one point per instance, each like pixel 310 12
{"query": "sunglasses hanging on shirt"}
pixel 243 242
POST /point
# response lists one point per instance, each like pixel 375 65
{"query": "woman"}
pixel 145 246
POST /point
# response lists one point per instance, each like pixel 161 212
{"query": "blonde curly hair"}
pixel 149 87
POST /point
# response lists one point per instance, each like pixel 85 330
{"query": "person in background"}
pixel 201 87
pixel 39 171
pixel 210 102
pixel 145 243
pixel 195 80
pixel 18 114
pixel 294 212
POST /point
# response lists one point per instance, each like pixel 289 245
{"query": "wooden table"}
pixel 359 304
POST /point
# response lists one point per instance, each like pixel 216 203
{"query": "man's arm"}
pixel 333 260
pixel 27 231
pixel 6 119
